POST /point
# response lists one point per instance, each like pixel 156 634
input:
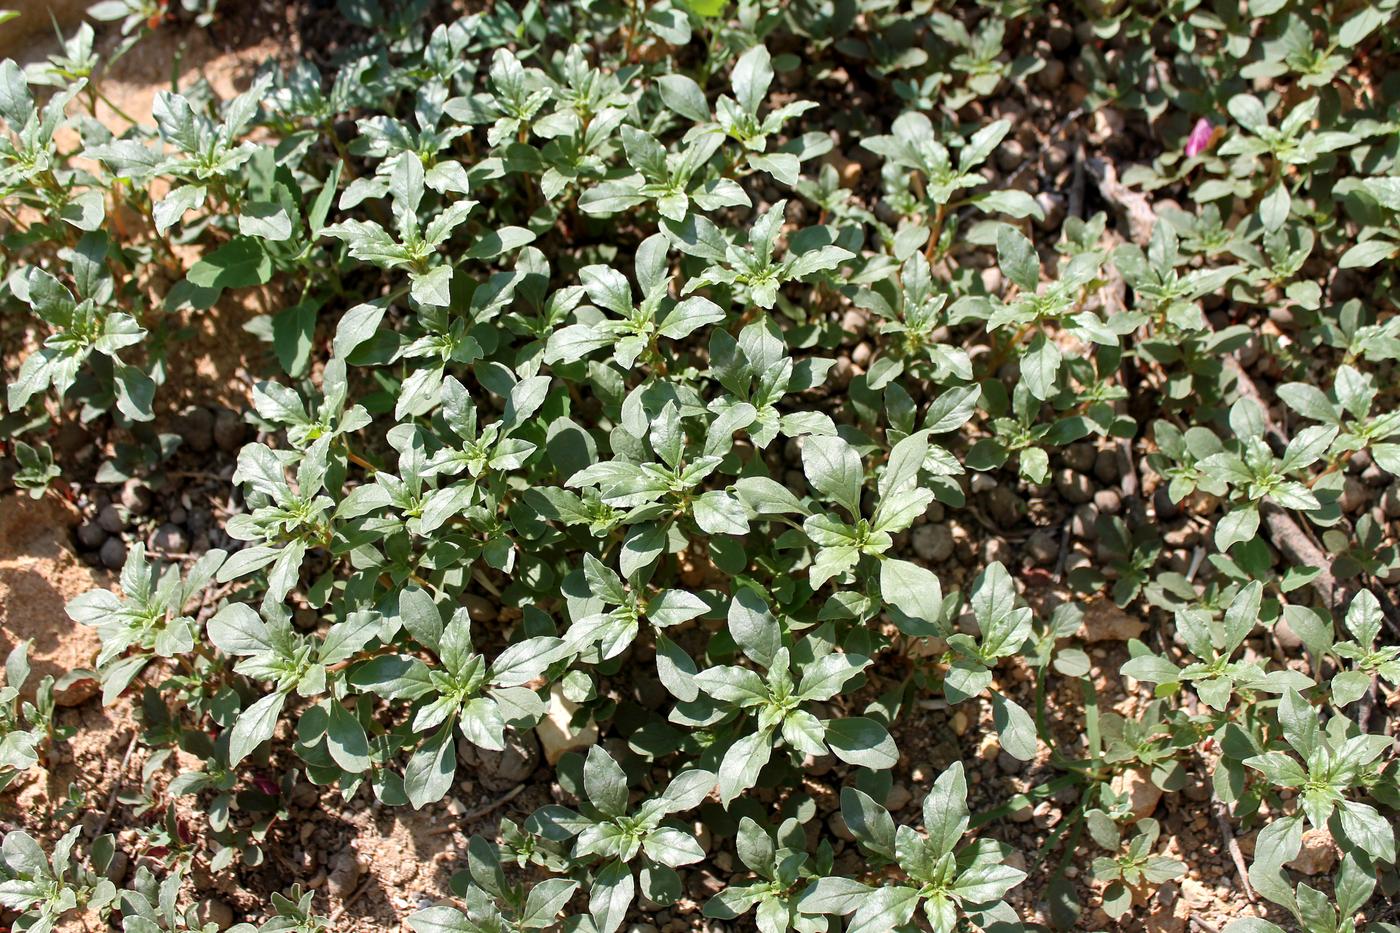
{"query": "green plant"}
pixel 733 412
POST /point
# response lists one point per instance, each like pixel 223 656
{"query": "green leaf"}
pixel 738 770
pixel 346 738
pixel 428 776
pixel 605 782
pixel 239 263
pixel 1015 727
pixel 753 73
pixel 1018 259
pixel 756 631
pixel 255 725
pixel 861 741
pixel 612 894
pixel 834 469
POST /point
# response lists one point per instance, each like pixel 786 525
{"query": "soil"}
pixel 371 866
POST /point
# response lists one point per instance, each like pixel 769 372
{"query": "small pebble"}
pixel 169 538
pixel 932 542
pixel 113 553
pixel 195 425
pixel 1074 487
pixel 136 497
pixel 1108 501
pixel 229 431
pixel 112 518
pixel 91 535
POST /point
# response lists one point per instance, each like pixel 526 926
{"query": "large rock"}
pixel 556 731
pixel 39 574
pixel 1143 795
pixel 1318 854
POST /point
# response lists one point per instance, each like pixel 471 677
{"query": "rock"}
pixel 1318 854
pixel 113 553
pixel 136 497
pixel 837 823
pixel 1108 501
pixel 91 535
pixel 169 538
pixel 847 170
pixel 979 483
pixel 305 795
pixel 556 731
pixel 1104 621
pixel 1163 506
pixel 1052 75
pixel 1054 206
pixel 1142 794
pixel 112 518
pixel 933 543
pixel 116 868
pixel 1080 457
pixel 1354 495
pixel 499 771
pixel 1085 524
pixel 960 723
pixel 854 322
pixel 1390 501
pixel 212 910
pixel 818 765
pixel 991 280
pixel 480 609
pixel 898 798
pixel 1106 467
pixel 1005 507
pixel 1010 154
pixel 195 425
pixel 1043 546
pixel 1284 636
pixel 230 431
pixel 1074 487
pixel 345 871
pixel 996 551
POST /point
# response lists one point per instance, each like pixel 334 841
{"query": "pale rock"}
pixel 1142 794
pixel 1318 854
pixel 212 910
pixel 556 731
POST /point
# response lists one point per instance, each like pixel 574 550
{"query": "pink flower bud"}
pixel 1199 140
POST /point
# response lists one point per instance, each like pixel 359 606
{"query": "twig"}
pixel 1203 926
pixel 1076 184
pixel 1367 706
pixel 1063 557
pixel 116 785
pixel 1280 527
pixel 1222 820
pixel 1129 482
pixel 354 896
pixel 480 811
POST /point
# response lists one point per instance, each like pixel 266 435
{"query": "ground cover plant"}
pixel 834 466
